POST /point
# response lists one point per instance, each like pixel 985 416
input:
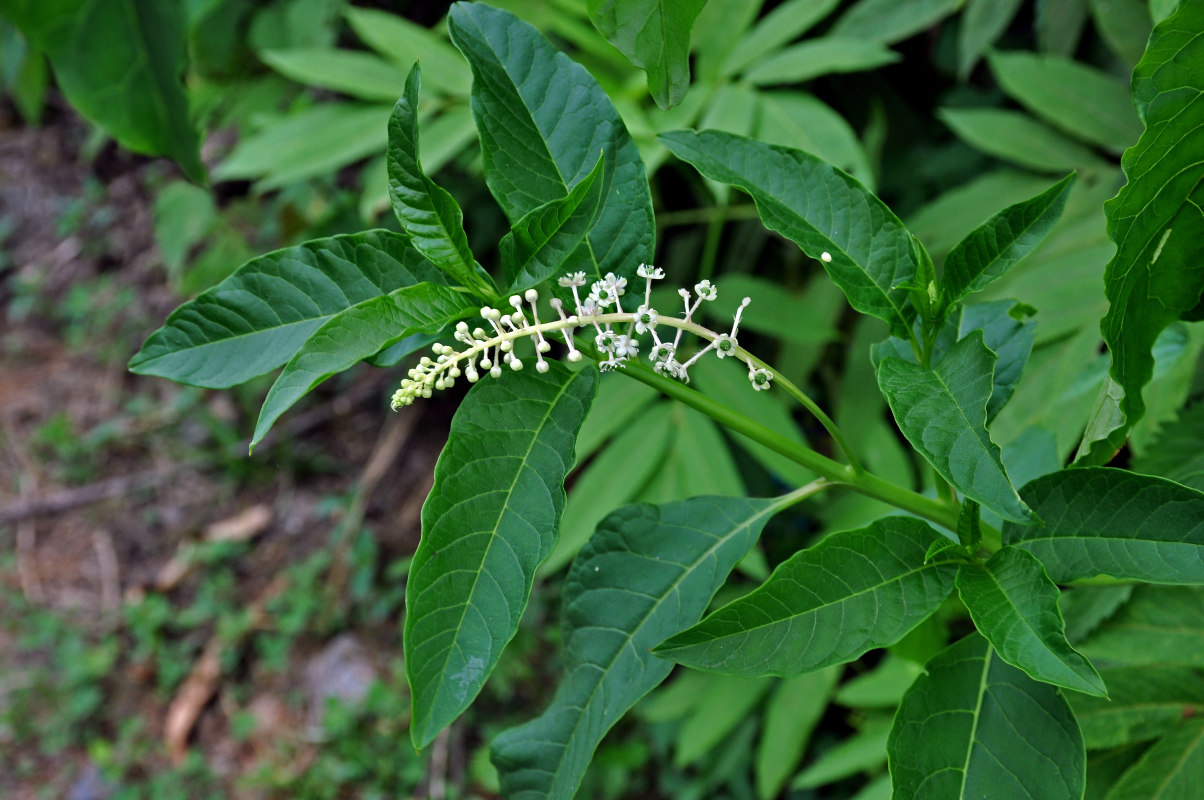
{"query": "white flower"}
pixel 645 319
pixel 662 352
pixel 706 290
pixel 573 279
pixel 649 271
pixel 627 347
pixel 617 285
pixel 589 308
pixel 725 345
pixel 760 378
pixel 605 341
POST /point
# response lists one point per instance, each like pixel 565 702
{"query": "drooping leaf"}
pixel 358 332
pixel 781 25
pixel 1014 605
pixel 1177 451
pixel 256 319
pixel 120 63
pixel 983 21
pixel 648 572
pixel 655 36
pixel 1103 521
pixel 1159 625
pixel 1157 274
pixel 975 726
pixel 427 211
pixel 543 122
pixel 793 711
pixel 828 604
pixel 1143 703
pixel 1173 769
pixel 491 518
pixel 821 209
pixel 943 412
pixel 1078 100
pixel 992 248
pixel 351 72
pixel 824 56
pixel 1016 137
pixel 551 237
pixel 888 21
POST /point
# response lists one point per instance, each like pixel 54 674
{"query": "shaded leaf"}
pixel 819 208
pixel 1016 137
pixel 975 726
pixel 256 319
pixel 1014 605
pixel 490 519
pixel 655 36
pixel 1103 521
pixel 781 25
pixel 883 687
pixel 863 752
pixel 1125 26
pixel 1173 769
pixel 404 42
pixel 1160 625
pixel 1085 608
pixel 791 715
pixel 823 56
pixel 648 571
pixel 825 605
pixel 1060 25
pixel 350 72
pixel 983 22
pixel 1143 703
pixel 1177 451
pixel 889 21
pixel 799 120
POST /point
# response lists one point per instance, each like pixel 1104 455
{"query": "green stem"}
pixel 710 249
pixel 832 471
pixel 693 216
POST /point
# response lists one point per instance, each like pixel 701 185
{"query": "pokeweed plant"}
pixel 1009 709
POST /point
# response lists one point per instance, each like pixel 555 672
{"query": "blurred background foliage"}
pixel 271 644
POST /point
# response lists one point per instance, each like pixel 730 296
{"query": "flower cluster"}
pixel 616 331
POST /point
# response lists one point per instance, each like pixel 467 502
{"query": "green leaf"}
pixel 801 121
pixel 405 42
pixel 350 72
pixel 655 36
pixel 889 21
pixel 1124 25
pixel 1173 769
pixel 791 715
pixel 359 332
pixel 1014 605
pixel 649 571
pixel 821 209
pixel 862 752
pixel 543 122
pixel 983 22
pixel 1157 274
pixel 943 412
pixel 975 726
pixel 1143 703
pixel 816 57
pixel 781 25
pixel 1103 521
pixel 883 687
pixel 256 319
pixel 1009 336
pixel 1078 100
pixel 825 605
pixel 993 247
pixel 491 518
pixel 119 62
pixel 1060 25
pixel 1016 137
pixel 1085 608
pixel 1160 625
pixel 427 211
pixel 552 236
pixel 725 703
pixel 1177 451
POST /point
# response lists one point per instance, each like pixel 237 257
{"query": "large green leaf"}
pixel 1102 521
pixel 1014 605
pixel 256 319
pixel 120 64
pixel 551 236
pixel 1160 625
pixel 975 726
pixel 1157 274
pixel 821 209
pixel 655 36
pixel 828 604
pixel 1077 99
pixel 943 412
pixel 1016 137
pixel 427 211
pixel 994 246
pixel 648 572
pixel 359 332
pixel 490 519
pixel 799 120
pixel 1173 769
pixel 543 122
pixel 1143 703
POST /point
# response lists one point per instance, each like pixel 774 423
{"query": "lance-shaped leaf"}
pixel 256 319
pixel 552 235
pixel 1014 605
pixel 993 247
pixel 828 604
pixel 543 121
pixel 119 62
pixel 975 726
pixel 1143 703
pixel 359 332
pixel 1159 625
pixel 427 211
pixel 943 413
pixel 655 36
pixel 1172 768
pixel 489 521
pixel 1157 273
pixel 1103 521
pixel 648 572
pixel 819 208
